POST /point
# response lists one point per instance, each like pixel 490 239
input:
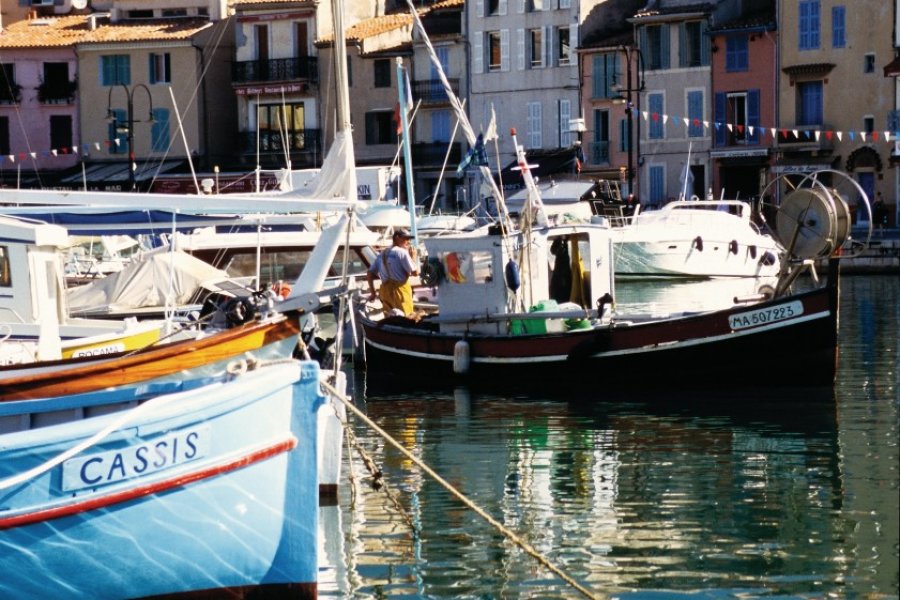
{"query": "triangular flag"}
pixel 817 134
pixel 796 133
pixel 840 135
pixel 54 153
pixel 686 121
pixel 730 128
pixel 774 132
pixel 12 158
pixel 705 124
pixel 852 135
pixel 887 136
pixel 665 119
pixel 97 145
pixel 34 155
pixel 751 129
pixel 829 134
pixel 491 132
pixel 645 114
pixel 874 136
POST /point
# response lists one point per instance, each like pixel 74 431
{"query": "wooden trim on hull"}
pixel 149 364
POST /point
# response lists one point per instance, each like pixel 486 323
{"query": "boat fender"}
pixel 768 259
pixel 752 251
pixel 462 358
pixel 697 243
pixel 732 246
pixel 512 275
pixel 602 301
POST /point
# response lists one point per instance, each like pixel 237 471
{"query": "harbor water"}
pixel 725 494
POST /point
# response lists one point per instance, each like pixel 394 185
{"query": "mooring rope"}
pixel 511 535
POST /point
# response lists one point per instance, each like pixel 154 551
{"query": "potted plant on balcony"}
pixel 57 91
pixel 10 92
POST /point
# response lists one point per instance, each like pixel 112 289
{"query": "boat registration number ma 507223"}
pixel 763 316
pixel 103 468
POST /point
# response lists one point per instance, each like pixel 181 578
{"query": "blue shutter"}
pixel 753 115
pixel 664 46
pixel 655 106
pixel 159 134
pixel 151 69
pixel 704 44
pixel 657 185
pixel 720 117
pixel 597 75
pixel 682 45
pixel 695 112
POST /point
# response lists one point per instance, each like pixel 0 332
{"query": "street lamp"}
pixel 630 107
pixel 129 127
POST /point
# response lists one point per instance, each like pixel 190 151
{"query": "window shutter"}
pixel 720 117
pixel 501 7
pixel 682 45
pixel 704 43
pixel 546 54
pixel 664 42
pixel 520 49
pixel 477 52
pixel 753 114
pixel 520 6
pixel 479 8
pixel 573 43
pixel 565 113
pixel 504 49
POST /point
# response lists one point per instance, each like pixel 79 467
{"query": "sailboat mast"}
pixel 405 141
pixel 344 134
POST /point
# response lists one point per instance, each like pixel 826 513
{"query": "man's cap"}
pixel 403 233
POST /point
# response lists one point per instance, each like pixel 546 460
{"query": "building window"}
pixel 382 75
pixel 118 131
pixel 737 53
pixel 492 7
pixel 655 106
pixel 839 26
pixel 656 41
pixel 691 44
pixel 10 91
pixel 809 103
pixel 140 14
pixel 869 63
pixel 60 132
pixel 563 46
pixel 160 68
pixel 534 5
pixel 535 45
pixel 809 25
pixel 380 128
pixel 4 135
pixel 159 133
pixel 115 69
pixel 604 75
pixel 869 124
pixel 535 135
pixel 736 116
pixel 624 135
pixel 280 125
pixel 174 12
pixel 599 151
pixel 494 54
pixel 695 114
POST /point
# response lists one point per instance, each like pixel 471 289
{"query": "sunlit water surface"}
pixel 726 495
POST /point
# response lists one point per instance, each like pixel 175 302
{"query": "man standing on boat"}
pixel 393 267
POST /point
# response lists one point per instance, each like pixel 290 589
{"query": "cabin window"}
pixel 467 267
pixel 5 278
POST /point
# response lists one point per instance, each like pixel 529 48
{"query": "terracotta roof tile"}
pixel 374 26
pixel 67 31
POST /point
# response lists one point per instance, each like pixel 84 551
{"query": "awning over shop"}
pixel 893 68
pixel 114 175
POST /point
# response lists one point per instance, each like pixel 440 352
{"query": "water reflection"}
pixel 707 494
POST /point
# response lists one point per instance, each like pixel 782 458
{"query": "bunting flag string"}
pixel 689 123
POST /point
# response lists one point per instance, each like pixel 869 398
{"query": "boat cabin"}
pixel 488 282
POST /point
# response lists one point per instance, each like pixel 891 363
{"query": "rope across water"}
pixel 509 534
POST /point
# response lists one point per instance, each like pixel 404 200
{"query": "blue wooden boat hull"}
pixel 206 489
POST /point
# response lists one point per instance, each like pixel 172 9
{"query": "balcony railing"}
pixel 433 153
pixel 272 142
pixel 277 69
pixel 598 153
pixel 431 91
pixel 57 92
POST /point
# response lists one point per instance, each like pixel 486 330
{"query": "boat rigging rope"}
pixel 508 533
